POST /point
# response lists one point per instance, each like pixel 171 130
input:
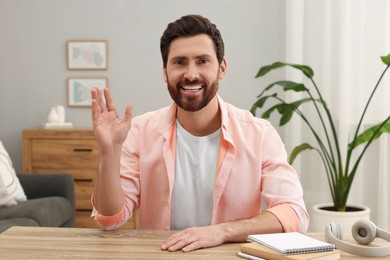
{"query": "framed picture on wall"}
pixel 87 54
pixel 79 90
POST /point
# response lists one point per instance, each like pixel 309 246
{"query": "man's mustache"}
pixel 192 82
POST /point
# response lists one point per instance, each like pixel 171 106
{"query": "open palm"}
pixel 109 130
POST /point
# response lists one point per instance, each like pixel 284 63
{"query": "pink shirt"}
pixel 252 166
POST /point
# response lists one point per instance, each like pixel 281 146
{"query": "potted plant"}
pixel 340 173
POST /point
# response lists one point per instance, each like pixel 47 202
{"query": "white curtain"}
pixel 343 41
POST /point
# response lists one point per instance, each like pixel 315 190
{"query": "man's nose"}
pixel 192 72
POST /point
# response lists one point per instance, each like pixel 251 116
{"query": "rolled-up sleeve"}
pixel 109 222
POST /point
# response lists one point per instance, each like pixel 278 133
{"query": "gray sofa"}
pixel 50 202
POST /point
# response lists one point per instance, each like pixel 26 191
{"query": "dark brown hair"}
pixel 191 25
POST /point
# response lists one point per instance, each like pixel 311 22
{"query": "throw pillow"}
pixel 5 198
pixel 8 176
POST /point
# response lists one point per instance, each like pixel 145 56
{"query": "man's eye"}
pixel 203 61
pixel 179 62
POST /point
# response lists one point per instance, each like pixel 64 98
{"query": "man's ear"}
pixel 165 74
pixel 222 68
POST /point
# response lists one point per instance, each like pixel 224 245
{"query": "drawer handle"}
pixel 86 179
pixel 88 150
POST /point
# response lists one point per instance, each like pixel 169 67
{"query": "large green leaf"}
pixel 286 110
pixel 276 65
pixel 268 112
pixel 304 68
pixel 286 85
pixel 303 100
pixel 265 69
pixel 369 133
pixel 287 115
pixel 297 150
pixel 260 103
pixel 386 59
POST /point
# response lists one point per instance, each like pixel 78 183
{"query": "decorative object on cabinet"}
pixel 56 119
pixel 87 54
pixel 73 151
pixel 79 90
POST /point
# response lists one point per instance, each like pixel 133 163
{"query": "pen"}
pixel 251 257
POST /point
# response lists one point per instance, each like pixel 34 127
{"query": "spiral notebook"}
pixel 291 243
pixel 256 250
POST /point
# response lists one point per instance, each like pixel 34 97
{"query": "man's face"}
pixel 192 72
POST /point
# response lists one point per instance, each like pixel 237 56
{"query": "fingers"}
pixel 109 102
pixel 95 110
pixel 99 106
pixel 181 241
pixel 194 238
pixel 98 98
pixel 193 246
pixel 128 114
pixel 101 101
pixel 170 241
pixel 95 104
pixel 175 242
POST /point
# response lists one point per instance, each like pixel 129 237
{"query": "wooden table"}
pixel 89 243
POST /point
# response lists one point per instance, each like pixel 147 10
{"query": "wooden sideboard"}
pixel 73 151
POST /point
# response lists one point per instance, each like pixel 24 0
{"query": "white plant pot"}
pixel 321 217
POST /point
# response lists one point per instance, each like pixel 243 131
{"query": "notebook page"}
pixel 291 243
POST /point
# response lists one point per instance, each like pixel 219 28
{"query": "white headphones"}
pixel 364 232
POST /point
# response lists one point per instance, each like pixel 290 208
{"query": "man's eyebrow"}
pixel 196 57
pixel 203 56
pixel 178 58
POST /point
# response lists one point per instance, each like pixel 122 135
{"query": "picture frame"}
pixel 79 90
pixel 87 54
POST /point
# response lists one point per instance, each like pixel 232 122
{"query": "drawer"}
pixel 78 174
pixel 84 190
pixel 64 154
pixel 84 220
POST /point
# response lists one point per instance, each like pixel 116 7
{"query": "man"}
pixel 201 165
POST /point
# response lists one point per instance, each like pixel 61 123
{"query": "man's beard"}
pixel 193 103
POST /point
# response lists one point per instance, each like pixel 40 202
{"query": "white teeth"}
pixel 191 87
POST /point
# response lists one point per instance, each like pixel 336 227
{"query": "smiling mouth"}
pixel 192 88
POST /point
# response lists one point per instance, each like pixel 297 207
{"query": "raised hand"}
pixel 110 131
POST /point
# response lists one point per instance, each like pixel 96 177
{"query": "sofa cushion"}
pixel 8 176
pixel 47 212
pixel 7 223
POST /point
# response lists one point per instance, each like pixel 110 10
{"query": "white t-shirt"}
pixel 196 163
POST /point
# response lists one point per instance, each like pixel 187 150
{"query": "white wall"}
pixel 33 73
